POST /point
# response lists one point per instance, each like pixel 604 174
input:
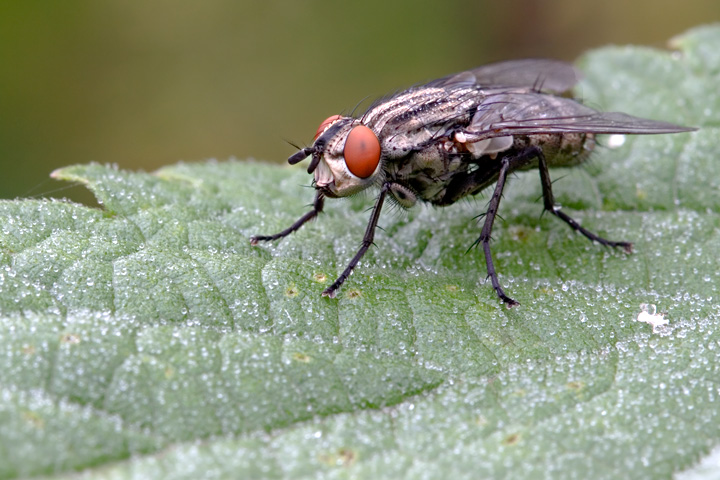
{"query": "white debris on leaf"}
pixel 648 315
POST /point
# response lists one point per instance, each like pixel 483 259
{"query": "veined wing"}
pixel 504 113
pixel 534 73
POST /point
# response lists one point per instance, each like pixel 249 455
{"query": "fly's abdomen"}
pixel 560 149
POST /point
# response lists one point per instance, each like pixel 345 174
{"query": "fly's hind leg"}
pixel 550 206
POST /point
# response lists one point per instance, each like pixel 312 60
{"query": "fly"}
pixel 456 136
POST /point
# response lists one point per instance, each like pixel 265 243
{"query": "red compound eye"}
pixel 362 151
pixel 325 124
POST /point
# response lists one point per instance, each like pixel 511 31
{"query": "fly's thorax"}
pixel 349 157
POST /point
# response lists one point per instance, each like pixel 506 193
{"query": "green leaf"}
pixel 149 339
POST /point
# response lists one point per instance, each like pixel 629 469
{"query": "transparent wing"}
pixel 535 73
pixel 530 113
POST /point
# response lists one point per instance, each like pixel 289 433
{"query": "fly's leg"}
pixel 317 208
pixel 508 164
pixel 367 241
pixel 550 206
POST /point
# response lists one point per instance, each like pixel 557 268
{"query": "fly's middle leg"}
pixel 508 165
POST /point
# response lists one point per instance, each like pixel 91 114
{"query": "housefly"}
pixel 456 136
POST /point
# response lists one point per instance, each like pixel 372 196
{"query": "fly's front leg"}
pixel 550 206
pixel 317 208
pixel 367 241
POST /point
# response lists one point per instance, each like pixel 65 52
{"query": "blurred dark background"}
pixel 144 84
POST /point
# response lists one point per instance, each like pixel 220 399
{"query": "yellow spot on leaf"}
pixel 33 419
pixel 301 357
pixel 354 293
pixel 575 385
pixel 342 458
pixel 292 291
pixel 70 338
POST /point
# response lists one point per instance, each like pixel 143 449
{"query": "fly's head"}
pixel 345 156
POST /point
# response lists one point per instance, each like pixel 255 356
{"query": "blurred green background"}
pixel 147 83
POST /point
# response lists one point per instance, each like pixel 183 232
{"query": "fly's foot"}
pixel 627 247
pixel 329 292
pixel 509 302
